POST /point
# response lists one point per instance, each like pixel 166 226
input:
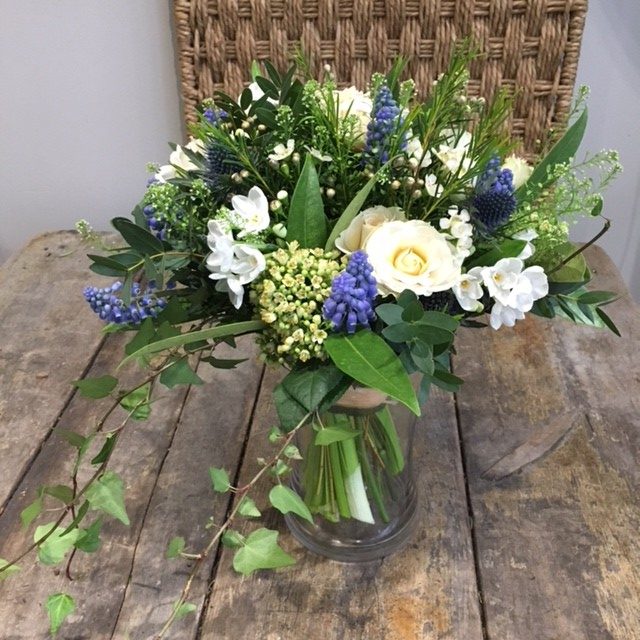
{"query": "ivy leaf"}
pixel 329 435
pixel 89 542
pixel 143 337
pixel 309 387
pixel 107 448
pixel 219 480
pixel 56 546
pixel 107 494
pixel 286 500
pixel 96 387
pixel 59 607
pixel 179 373
pixel 307 222
pixel 176 547
pixel 14 568
pixel 138 402
pixel 248 508
pixel 30 513
pixel 232 539
pixel 260 551
pixel 74 439
pixel 184 610
pixel 60 492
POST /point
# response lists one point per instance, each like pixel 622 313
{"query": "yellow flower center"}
pixel 409 261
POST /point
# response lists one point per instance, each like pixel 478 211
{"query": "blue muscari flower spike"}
pixel 214 116
pixel 157 226
pixel 352 294
pixel 494 201
pixel 111 308
pixel 386 118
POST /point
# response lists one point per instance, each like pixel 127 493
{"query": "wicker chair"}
pixel 529 45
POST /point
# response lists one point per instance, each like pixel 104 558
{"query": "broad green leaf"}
pixel 9 571
pixel 179 373
pixel 184 610
pixel 329 435
pixel 30 513
pixel 80 514
pixel 219 479
pixel 422 356
pixel 260 551
pixel 232 539
pixel 389 313
pixel 74 439
pixel 352 210
pixel 404 332
pixel 439 319
pixel 285 500
pixel 106 266
pixel 107 494
pixel 175 548
pixel 138 238
pixel 138 402
pixel 290 411
pixel 56 546
pixel 61 492
pixel 369 360
pixel 248 508
pixel 59 607
pixel 107 448
pixel 89 542
pixel 142 338
pixel 214 333
pixel 413 312
pixel 506 249
pixel 309 387
pixel 445 380
pixel 565 149
pixel 306 221
pixel 96 387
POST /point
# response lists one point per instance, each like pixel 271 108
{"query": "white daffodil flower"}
pixel 177 160
pixel 468 290
pixel 282 152
pixel 431 186
pixel 459 228
pixel 453 154
pixel 251 212
pixel 529 248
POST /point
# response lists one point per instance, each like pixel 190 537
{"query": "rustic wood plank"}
pixel 557 543
pixel 426 591
pixel 48 339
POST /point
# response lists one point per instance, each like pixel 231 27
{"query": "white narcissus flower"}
pixel 431 186
pixel 282 152
pixel 415 150
pixel 177 160
pixel 232 264
pixel 459 229
pixel 468 290
pixel 318 155
pixel 197 146
pixel 363 225
pixel 514 289
pixel 251 212
pixel 453 152
pixel 520 169
pixel 257 93
pixel 529 249
pixel 352 102
pixel 411 255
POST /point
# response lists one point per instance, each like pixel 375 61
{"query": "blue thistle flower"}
pixel 494 200
pixel 352 294
pixel 386 118
pixel 111 308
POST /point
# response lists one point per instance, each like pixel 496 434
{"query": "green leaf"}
pixel 176 547
pixel 413 312
pixel 74 439
pixel 219 480
pixel 290 411
pixel 285 500
pixel 352 210
pixel 96 387
pixel 389 313
pixel 260 551
pixel 329 435
pixel 506 249
pixel 439 319
pixel 59 607
pixel 107 448
pixel 81 513
pixel 142 338
pixel 56 546
pixel 184 610
pixel 309 387
pixel 138 238
pixel 597 297
pixel 60 492
pixel 4 574
pixel 214 333
pixel 445 380
pixel 306 222
pixel 368 359
pixel 138 402
pixel 106 266
pixel 30 513
pixel 179 373
pixel 232 539
pixel 248 508
pixel 223 363
pixel 107 494
pixel 609 323
pixel 89 542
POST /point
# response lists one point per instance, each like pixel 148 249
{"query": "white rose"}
pixel 411 255
pixel 363 225
pixel 352 102
pixel 520 169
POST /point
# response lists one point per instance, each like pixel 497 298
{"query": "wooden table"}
pixel 528 478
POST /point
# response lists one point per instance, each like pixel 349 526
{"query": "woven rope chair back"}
pixel 530 46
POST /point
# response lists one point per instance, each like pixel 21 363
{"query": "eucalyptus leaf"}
pixel 137 237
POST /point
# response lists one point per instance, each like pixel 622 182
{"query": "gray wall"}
pixel 90 95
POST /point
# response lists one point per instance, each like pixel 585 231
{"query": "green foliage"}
pixel 137 237
pixel 30 513
pixel 335 433
pixel 57 543
pixel 260 550
pixel 306 222
pixel 180 373
pixel 138 402
pixel 285 500
pixel 8 571
pixel 175 548
pixel 89 540
pixel 59 607
pixel 96 387
pixel 368 359
pixel 248 508
pixel 107 494
pixel 60 492
pixel 505 249
pixel 219 480
pixel 105 452
pixel 232 539
pixel 184 609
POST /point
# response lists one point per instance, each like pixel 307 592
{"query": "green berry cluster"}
pixel 288 298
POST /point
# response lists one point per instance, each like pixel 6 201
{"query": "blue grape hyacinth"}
pixel 155 224
pixel 386 117
pixel 350 303
pixel 494 201
pixel 111 308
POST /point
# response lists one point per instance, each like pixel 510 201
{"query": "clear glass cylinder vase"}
pixel 356 477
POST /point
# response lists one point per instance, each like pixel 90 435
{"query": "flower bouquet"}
pixel 352 231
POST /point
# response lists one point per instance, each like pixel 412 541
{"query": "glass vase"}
pixel 356 478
